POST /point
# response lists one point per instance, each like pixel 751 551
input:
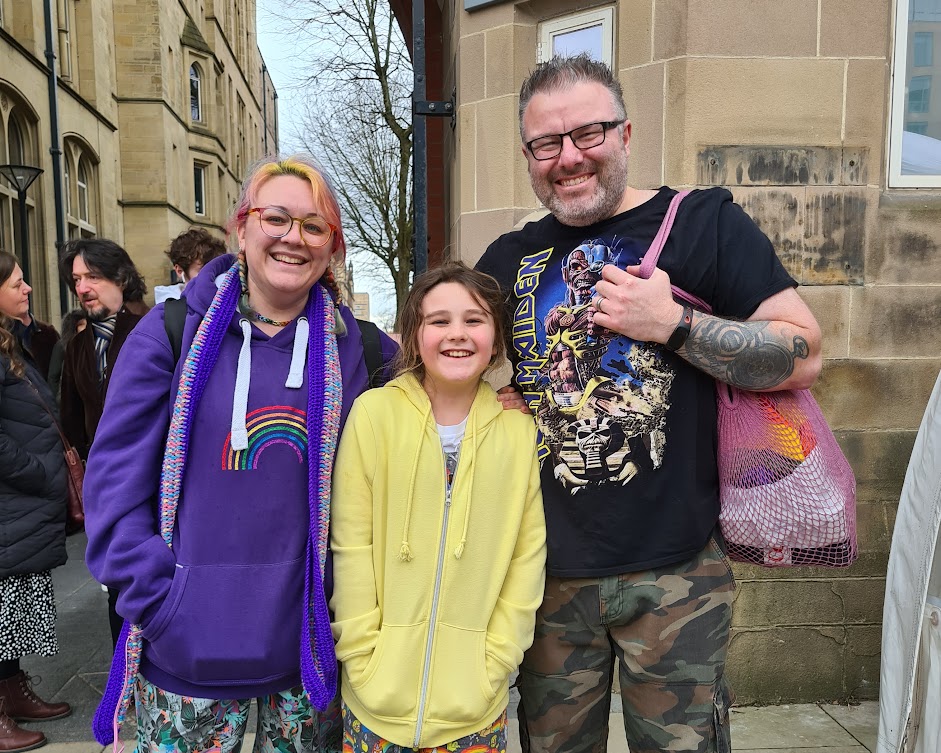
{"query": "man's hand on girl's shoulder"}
pixel 512 400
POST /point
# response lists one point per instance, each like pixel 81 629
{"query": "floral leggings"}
pixel 358 739
pixel 287 723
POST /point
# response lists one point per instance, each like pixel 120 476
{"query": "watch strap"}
pixel 678 338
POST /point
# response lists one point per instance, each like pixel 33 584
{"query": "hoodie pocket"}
pixel 158 624
pixel 391 681
pixel 460 690
pixel 230 623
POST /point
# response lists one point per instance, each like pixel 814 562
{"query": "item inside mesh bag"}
pixel 787 493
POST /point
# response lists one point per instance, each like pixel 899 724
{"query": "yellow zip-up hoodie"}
pixel 434 599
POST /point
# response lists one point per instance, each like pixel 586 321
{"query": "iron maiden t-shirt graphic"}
pixel 627 428
pixel 600 398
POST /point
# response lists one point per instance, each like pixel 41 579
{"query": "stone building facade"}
pixel 802 109
pixel 161 105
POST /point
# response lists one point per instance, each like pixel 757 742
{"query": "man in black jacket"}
pixel 111 292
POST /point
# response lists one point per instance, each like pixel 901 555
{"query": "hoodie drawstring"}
pixel 470 492
pixel 405 553
pixel 242 380
pixel 298 355
pixel 294 381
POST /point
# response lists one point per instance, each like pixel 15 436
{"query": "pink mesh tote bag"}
pixel 787 494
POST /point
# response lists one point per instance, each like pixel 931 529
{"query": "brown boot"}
pixel 14 739
pixel 22 704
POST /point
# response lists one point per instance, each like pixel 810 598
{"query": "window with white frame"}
pixel 196 93
pixel 922 49
pixel 67 166
pixel 18 138
pixel 199 189
pixel 591 31
pixel 65 40
pixel 81 192
pixel 81 184
pixel 915 144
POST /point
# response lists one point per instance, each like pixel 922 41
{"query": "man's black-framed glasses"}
pixel 583 137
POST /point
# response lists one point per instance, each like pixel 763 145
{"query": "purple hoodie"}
pixel 221 611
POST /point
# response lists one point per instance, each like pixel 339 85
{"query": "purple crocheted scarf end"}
pixel 103 723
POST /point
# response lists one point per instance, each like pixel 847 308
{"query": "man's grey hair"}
pixel 564 72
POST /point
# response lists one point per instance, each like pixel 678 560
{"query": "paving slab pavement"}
pixel 79 672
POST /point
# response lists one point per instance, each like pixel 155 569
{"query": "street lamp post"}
pixel 21 177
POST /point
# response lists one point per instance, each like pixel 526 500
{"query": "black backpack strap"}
pixel 372 352
pixel 174 318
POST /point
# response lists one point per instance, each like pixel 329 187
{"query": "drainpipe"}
pixel 55 150
pixel 421 108
pixel 277 130
pixel 264 102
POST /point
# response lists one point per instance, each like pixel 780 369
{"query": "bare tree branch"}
pixel 355 69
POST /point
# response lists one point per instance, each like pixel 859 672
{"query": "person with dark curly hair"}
pixel 188 253
pixel 111 292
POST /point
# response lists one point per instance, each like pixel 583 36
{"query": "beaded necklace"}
pixel 244 306
pixel 265 320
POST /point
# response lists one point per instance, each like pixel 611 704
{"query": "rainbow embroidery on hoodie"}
pixel 269 426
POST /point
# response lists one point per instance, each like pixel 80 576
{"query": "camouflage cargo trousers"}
pixel 668 629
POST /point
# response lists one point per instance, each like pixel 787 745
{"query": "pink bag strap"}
pixel 649 263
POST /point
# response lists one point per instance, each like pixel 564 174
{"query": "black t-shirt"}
pixel 627 428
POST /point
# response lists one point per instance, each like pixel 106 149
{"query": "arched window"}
pixel 18 126
pixel 196 101
pixel 15 140
pixel 81 181
pixel 81 189
pixel 67 164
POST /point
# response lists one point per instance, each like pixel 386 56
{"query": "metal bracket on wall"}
pixel 435 108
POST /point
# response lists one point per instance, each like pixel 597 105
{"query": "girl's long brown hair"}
pixel 482 288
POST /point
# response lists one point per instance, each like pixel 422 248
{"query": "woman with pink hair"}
pixel 208 486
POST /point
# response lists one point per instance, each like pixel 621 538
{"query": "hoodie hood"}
pixel 202 288
pixel 484 411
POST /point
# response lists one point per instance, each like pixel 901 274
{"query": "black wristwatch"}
pixel 682 329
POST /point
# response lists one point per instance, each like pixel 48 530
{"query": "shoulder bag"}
pixel 787 494
pixel 75 474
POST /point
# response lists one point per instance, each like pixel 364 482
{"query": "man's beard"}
pixel 98 313
pixel 612 181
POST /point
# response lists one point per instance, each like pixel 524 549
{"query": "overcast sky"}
pixel 278 54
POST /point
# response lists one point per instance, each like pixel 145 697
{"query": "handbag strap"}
pixel 66 445
pixel 649 263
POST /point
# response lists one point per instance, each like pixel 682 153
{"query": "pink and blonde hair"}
pixel 301 166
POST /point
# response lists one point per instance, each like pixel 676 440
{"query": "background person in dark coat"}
pixel 32 534
pixel 111 292
pixel 72 323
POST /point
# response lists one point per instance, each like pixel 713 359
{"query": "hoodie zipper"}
pixel 450 467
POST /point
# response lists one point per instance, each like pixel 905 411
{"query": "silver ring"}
pixel 598 303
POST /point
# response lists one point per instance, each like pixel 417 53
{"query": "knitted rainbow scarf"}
pixel 324 405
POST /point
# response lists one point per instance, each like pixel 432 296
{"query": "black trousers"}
pixel 115 620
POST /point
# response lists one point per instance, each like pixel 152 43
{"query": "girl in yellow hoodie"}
pixel 437 533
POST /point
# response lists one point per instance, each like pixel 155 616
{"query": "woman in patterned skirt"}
pixel 32 518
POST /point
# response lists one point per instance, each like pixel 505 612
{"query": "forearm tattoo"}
pixel 747 355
